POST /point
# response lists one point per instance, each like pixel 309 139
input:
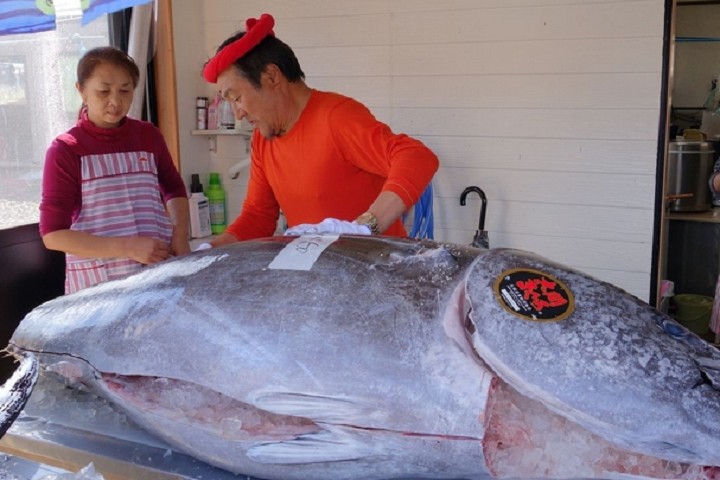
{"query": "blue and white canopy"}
pixel 28 16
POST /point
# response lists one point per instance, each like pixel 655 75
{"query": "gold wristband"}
pixel 369 220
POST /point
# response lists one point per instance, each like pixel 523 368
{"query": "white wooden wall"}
pixel 550 106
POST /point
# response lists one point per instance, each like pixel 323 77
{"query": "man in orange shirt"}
pixel 321 157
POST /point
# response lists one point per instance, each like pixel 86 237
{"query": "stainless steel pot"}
pixel 690 165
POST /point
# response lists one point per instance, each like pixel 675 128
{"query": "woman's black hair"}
pixel 92 58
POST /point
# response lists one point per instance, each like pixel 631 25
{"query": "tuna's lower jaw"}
pixel 523 438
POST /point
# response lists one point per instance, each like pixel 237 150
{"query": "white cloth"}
pixel 329 225
pixel 202 246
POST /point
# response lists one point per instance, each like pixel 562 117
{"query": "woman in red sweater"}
pixel 112 199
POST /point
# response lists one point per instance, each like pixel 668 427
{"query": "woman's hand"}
pixel 179 245
pixel 147 250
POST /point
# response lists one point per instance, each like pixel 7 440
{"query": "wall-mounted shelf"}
pixel 697 39
pixel 709 216
pixel 213 134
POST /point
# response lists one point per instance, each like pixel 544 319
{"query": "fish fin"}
pixel 327 446
pixel 315 407
pixel 710 369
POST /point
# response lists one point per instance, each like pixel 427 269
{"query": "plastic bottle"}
pixel 213 122
pixel 199 210
pixel 226 115
pixel 216 197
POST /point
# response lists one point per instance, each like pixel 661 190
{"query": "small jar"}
pixel 201 111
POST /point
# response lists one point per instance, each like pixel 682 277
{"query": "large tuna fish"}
pixel 371 358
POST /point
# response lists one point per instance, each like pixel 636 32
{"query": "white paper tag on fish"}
pixel 302 253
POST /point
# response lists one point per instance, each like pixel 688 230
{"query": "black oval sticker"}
pixel 534 295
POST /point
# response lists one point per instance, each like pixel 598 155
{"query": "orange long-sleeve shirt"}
pixel 334 162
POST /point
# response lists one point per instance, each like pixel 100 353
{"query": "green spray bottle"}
pixel 216 198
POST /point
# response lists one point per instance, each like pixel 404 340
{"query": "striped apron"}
pixel 120 197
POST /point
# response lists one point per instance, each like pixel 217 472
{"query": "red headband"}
pixel 255 30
